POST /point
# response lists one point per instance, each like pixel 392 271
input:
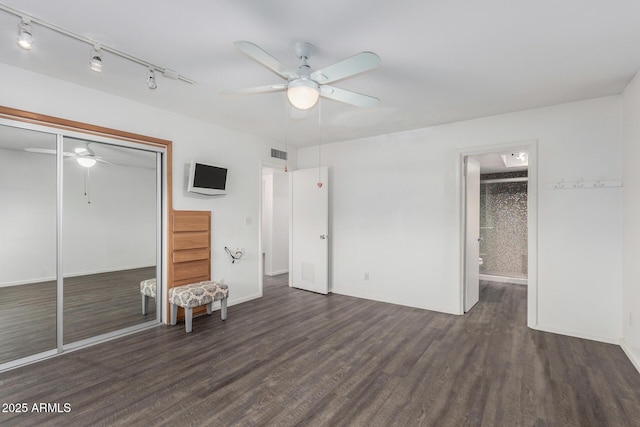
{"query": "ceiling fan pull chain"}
pixel 86 186
pixel 287 108
pixel 319 142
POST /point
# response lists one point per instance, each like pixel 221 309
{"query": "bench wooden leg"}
pixel 210 308
pixel 188 318
pixel 223 308
pixel 174 314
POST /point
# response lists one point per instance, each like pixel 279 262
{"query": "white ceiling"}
pixel 18 139
pixel 442 60
pixel 493 163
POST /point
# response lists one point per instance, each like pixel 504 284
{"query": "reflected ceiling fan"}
pixel 83 155
pixel 304 86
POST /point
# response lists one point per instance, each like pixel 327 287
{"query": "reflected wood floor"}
pixel 297 358
pixel 93 304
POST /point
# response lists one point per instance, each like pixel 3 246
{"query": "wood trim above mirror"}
pixel 56 122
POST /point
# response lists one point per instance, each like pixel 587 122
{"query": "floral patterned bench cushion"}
pixel 148 287
pixel 197 294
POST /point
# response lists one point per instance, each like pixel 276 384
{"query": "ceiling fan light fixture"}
pixel 303 93
pixel 86 162
pixel 25 38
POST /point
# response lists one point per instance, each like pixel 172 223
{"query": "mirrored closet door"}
pixel 27 243
pixel 80 227
pixel 110 199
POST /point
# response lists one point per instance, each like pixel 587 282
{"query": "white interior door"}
pixel 472 233
pixel 309 223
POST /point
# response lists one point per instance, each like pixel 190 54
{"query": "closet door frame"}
pixel 67 128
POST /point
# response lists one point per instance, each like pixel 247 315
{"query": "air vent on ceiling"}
pixel 278 154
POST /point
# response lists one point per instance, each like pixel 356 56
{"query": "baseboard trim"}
pixel 67 275
pixel 599 338
pixel 504 279
pixel 374 298
pixel 245 299
pixel 635 359
pixel 276 273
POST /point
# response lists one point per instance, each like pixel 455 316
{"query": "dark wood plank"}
pixel 298 358
pixel 94 304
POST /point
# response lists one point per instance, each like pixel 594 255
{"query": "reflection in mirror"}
pixel 108 237
pixel 27 243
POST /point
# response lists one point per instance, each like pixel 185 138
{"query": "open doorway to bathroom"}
pixel 274 223
pixel 499 196
pixel 503 245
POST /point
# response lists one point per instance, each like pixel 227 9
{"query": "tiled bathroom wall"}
pixel 503 227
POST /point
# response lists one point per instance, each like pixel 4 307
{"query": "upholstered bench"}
pixel 195 295
pixel 147 290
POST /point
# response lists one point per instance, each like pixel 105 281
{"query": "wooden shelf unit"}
pixel 189 250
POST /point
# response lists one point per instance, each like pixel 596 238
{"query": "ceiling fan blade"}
pixel 48 151
pixel 257 89
pixel 261 56
pixel 40 150
pixel 98 159
pixel 348 97
pixel 358 63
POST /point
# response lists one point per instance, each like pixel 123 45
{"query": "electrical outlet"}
pixel 366 275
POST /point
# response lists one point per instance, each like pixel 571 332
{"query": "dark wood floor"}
pixel 93 304
pixel 298 358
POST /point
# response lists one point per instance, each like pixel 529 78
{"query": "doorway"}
pixel 498 226
pixel 274 226
pixel 294 221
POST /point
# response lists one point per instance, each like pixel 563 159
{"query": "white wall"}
pixel 280 224
pixel 631 224
pixel 235 216
pixel 275 222
pixel 27 217
pixel 115 232
pixel 394 213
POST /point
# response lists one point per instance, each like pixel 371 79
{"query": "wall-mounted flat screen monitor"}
pixel 207 179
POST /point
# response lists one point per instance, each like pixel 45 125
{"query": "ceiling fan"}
pixel 304 86
pixel 83 155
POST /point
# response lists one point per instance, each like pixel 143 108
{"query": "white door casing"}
pixel 472 233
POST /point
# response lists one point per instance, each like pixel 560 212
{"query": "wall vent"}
pixel 278 154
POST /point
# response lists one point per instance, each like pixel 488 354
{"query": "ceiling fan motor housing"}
pixel 304 50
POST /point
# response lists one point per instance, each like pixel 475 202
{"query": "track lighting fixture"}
pixel 25 39
pixel 151 79
pixel 96 59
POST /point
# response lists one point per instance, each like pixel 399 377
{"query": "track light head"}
pixel 151 79
pixel 25 38
pixel 96 59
